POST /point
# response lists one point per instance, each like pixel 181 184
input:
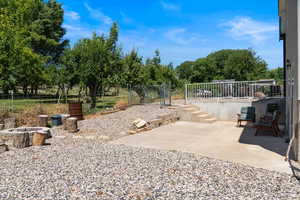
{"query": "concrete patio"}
pixel 221 140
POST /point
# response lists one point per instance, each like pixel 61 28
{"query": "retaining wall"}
pixel 227 110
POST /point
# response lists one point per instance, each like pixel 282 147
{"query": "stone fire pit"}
pixel 22 137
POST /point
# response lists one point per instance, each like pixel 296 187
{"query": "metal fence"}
pixel 141 94
pixel 232 90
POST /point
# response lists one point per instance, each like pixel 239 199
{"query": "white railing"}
pixel 231 90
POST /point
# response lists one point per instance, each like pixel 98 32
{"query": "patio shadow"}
pixel 264 139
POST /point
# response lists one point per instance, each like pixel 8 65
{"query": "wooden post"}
pixel 64 118
pixel 43 120
pixel 38 139
pixel 21 140
pixel 10 123
pixel 72 126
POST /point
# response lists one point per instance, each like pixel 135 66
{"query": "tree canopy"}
pixel 34 53
pixel 240 65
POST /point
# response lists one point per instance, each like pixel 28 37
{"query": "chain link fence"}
pixel 142 94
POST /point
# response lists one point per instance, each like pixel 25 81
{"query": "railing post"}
pixel 186 93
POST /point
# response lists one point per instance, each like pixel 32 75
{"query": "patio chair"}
pixel 247 114
pixel 269 125
pixel 271 109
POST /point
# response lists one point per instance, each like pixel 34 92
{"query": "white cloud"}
pixel 75 32
pixel 126 19
pixel 170 6
pixel 98 15
pixel 181 36
pixel 245 28
pixel 72 15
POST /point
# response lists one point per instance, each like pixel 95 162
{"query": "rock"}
pixel 89 137
pixel 104 137
pixel 22 137
pixel 9 123
pixel 139 123
pixel 3 147
pixel 132 132
pixel 155 123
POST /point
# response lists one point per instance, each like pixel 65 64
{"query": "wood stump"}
pixel 10 123
pixel 21 140
pixel 64 118
pixel 43 120
pixel 39 139
pixel 71 124
pixel 1 127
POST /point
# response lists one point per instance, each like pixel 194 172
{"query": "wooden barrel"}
pixel 75 110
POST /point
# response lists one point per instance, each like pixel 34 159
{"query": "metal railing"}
pixel 232 90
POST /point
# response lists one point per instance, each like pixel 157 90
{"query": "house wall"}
pixel 292 72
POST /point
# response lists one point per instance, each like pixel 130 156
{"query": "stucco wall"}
pixel 292 77
pixel 227 110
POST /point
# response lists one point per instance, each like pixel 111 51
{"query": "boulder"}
pixel 139 123
pixel 3 147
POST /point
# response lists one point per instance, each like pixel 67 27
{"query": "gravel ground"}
pixel 103 171
pixel 111 126
pixel 90 169
pixel 115 123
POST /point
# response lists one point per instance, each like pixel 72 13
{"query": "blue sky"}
pixel 181 30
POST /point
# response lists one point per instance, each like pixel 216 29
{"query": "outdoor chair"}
pixel 269 125
pixel 247 114
pixel 271 109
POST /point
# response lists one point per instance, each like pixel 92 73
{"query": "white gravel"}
pixel 102 171
pixel 88 169
pixel 115 123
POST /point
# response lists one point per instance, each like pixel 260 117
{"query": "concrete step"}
pixel 203 116
pixel 205 120
pixel 190 109
pixel 198 112
pixel 194 114
pixel 211 120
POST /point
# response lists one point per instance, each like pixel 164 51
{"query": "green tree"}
pixel 31 36
pixel 240 65
pixel 276 74
pixel 185 70
pixel 98 59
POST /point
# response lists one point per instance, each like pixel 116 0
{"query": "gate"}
pixel 143 94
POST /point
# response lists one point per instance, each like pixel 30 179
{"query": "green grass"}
pixel 102 104
pixel 22 104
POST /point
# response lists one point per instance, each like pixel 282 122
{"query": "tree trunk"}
pixel 31 90
pixel 118 90
pixel 39 139
pixel 25 90
pixel 43 120
pixel 36 90
pixel 71 125
pixel 21 140
pixel 93 94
